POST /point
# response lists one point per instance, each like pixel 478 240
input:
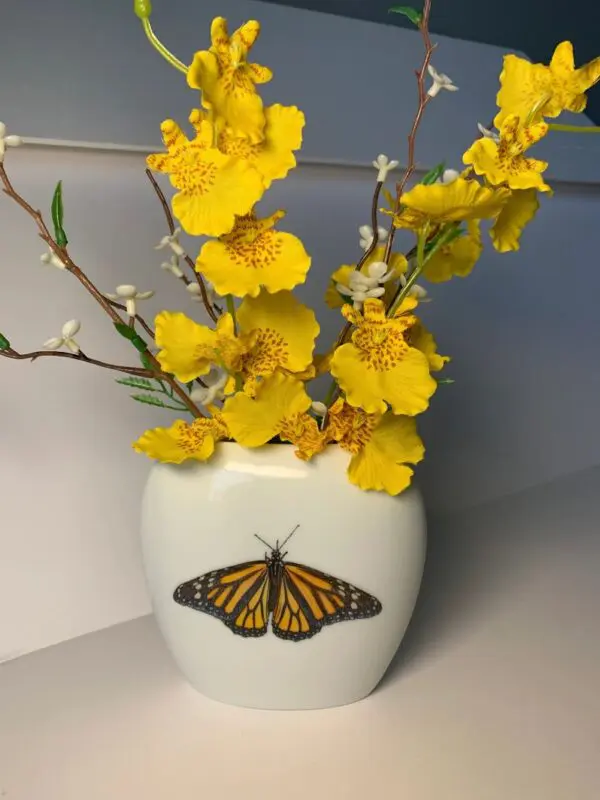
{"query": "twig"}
pixel 63 254
pixel 424 99
pixel 188 260
pixel 139 371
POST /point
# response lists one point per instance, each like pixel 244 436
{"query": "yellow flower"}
pixel 520 209
pixel 252 256
pixel 423 340
pixel 226 79
pixel 458 257
pixel 397 262
pixel 379 366
pixel 273 157
pixel 381 447
pixel 504 161
pixel 302 430
pixel 280 333
pixel 182 441
pixel 549 90
pixel 213 187
pixel 253 421
pixel 448 202
pixel 189 349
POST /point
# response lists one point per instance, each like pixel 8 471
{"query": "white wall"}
pixel 523 330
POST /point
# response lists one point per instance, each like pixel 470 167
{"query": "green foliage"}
pixel 407 11
pixel 433 174
pixel 146 361
pixel 152 400
pixel 139 383
pixel 4 343
pixel 132 335
pixel 58 216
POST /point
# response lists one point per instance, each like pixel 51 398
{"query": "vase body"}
pixel 337 634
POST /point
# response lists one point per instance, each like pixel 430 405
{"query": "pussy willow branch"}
pixel 63 254
pixel 424 99
pixel 138 371
pixel 171 225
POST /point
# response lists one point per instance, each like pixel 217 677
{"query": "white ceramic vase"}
pixel 274 633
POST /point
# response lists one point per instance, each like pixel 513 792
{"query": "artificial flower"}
pixel 448 176
pixel 381 447
pixel 369 283
pixel 129 293
pixel 171 240
pixel 487 133
pixel 463 199
pixel 7 141
pixel 383 165
pixel 188 350
pixel 536 90
pixel 280 333
pixel 423 340
pixel 182 441
pixel 51 258
pixel 66 338
pixel 341 277
pixel 278 400
pixel 216 385
pixel 457 258
pixel 254 256
pixel 303 431
pixel 519 210
pixel 378 366
pixel 504 162
pixel 213 187
pixel 440 81
pixel 273 156
pixel 367 235
pixel 226 78
pixel 193 288
pixel 172 266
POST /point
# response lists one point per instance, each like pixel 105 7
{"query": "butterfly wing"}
pixel 237 595
pixel 309 599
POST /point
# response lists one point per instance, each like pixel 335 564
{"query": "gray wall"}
pixel 523 329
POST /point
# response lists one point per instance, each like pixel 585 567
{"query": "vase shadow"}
pixel 478 556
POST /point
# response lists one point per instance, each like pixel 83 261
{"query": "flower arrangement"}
pixel 245 377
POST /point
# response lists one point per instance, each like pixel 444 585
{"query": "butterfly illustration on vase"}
pixel 299 600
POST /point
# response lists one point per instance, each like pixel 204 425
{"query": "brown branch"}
pixel 424 99
pixel 188 260
pixel 139 371
pixel 63 255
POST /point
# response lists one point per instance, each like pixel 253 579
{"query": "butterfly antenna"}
pixel 289 536
pixel 260 539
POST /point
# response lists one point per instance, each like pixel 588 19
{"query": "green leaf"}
pixel 139 383
pixel 4 343
pixel 57 216
pixel 151 400
pixel 125 331
pixel 434 174
pixel 407 11
pixel 146 361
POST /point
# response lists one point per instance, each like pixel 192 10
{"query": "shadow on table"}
pixel 477 557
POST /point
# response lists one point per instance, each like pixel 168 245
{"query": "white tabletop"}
pixel 493 696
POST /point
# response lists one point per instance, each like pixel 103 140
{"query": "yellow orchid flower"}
pixel 419 337
pixel 548 90
pixel 280 333
pixel 437 203
pixel 226 78
pixel 213 187
pixel 183 441
pixel 457 258
pixel 273 156
pixel 254 256
pixel 504 161
pixel 397 263
pixel 379 366
pixel 188 349
pixel 276 405
pixel 381 447
pixel 520 209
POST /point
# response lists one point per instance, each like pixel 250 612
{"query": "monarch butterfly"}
pixel 299 600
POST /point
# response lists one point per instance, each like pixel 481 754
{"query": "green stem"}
pixel 556 126
pixel 159 46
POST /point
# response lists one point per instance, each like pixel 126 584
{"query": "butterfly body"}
pixel 295 599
